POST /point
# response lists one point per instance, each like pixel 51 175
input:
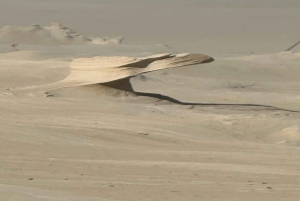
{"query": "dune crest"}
pixel 111 75
pixel 56 34
pixel 85 71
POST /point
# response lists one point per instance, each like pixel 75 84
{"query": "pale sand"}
pixel 97 142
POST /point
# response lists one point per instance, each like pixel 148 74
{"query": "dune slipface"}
pixel 111 75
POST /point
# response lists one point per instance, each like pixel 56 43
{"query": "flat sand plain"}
pixel 241 142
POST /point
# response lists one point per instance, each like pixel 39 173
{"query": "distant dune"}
pixel 270 59
pixel 56 34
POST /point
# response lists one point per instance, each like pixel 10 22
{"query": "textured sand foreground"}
pixel 226 130
pixel 114 147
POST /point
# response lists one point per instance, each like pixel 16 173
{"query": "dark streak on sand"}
pixel 172 100
pixel 124 85
pixel 293 46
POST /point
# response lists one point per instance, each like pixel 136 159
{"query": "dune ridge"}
pixel 111 75
pixel 55 34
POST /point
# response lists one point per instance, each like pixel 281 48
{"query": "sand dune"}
pixel 110 76
pixel 106 69
pixel 55 34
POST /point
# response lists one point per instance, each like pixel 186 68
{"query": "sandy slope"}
pixel 137 152
pixel 116 148
pixel 85 144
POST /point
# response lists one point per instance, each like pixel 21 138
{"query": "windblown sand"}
pixel 234 135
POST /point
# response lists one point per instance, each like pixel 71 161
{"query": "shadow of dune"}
pixel 122 89
pixel 175 101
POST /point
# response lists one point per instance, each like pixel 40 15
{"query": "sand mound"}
pixel 55 34
pixel 94 70
pixel 289 135
pixel 111 75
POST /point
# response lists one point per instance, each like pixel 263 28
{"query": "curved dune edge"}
pixel 87 71
pixel 110 76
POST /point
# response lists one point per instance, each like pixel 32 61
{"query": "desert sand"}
pixel 114 111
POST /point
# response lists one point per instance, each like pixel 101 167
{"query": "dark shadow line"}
pixel 292 47
pixel 172 100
